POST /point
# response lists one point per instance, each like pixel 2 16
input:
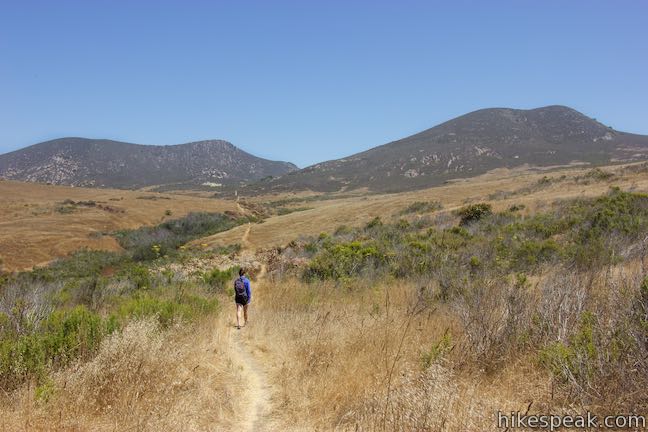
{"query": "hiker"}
pixel 242 297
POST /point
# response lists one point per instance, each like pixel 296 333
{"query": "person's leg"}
pixel 238 315
pixel 245 316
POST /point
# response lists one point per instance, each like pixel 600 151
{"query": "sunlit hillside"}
pixel 39 223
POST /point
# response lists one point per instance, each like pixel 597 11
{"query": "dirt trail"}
pixel 245 243
pixel 244 239
pixel 239 207
pixel 258 392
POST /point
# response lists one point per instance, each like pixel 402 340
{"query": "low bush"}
pixel 72 334
pixel 54 315
pixel 343 260
pixel 166 311
pixel 81 264
pixel 218 279
pixel 64 336
pixel 584 232
pixel 149 243
pixel 438 351
pixel 138 274
pixel 474 212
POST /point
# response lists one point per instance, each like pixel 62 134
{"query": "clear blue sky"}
pixel 308 81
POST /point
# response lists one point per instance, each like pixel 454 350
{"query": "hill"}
pixel 105 163
pixel 468 146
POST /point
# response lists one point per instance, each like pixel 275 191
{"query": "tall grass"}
pixel 143 378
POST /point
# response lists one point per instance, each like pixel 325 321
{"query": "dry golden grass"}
pixel 33 232
pixel 344 359
pixel 190 378
pixel 353 358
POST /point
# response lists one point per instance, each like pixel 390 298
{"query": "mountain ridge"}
pixel 468 145
pixel 78 161
pixel 465 146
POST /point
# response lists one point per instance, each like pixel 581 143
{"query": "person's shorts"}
pixel 241 300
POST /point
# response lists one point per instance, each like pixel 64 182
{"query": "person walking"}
pixel 242 297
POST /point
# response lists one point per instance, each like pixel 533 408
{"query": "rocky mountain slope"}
pixel 467 146
pixel 105 163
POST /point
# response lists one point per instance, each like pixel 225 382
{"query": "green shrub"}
pixel 474 212
pixel 583 232
pixel 575 360
pixel 170 235
pixel 598 174
pixel 81 264
pixel 219 279
pixel 557 358
pixel 343 260
pixel 65 209
pixel 66 335
pixel 601 226
pixel 138 274
pixel 166 311
pixel 49 317
pixel 45 391
pixel 311 247
pixel 21 359
pixel 544 181
pixel 531 253
pixel 374 223
pixel 438 350
pixel 460 231
pixel 402 224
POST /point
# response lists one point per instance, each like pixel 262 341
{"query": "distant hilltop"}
pixel 467 146
pixel 105 163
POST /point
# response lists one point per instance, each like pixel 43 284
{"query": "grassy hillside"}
pixel 39 223
pixel 503 188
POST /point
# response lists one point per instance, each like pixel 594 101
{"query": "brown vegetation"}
pixel 33 231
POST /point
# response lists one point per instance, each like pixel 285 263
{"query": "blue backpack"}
pixel 239 287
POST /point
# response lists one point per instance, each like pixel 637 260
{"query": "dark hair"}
pixel 241 271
